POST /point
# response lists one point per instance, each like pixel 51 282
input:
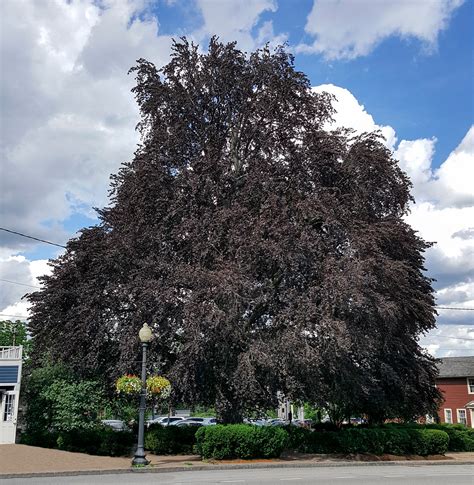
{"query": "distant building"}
pixel 10 379
pixel 456 382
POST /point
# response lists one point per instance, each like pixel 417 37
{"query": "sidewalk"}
pixel 22 460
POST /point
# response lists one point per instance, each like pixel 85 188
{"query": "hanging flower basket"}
pixel 158 386
pixel 128 384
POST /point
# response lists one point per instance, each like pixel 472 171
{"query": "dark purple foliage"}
pixel 267 253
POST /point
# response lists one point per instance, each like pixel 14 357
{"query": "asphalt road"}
pixel 392 475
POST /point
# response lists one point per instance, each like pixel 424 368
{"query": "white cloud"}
pixel 443 212
pixel 450 340
pixel 66 95
pixel 232 20
pixel 349 29
pixel 351 114
pixel 21 270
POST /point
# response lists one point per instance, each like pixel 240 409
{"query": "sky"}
pixel 68 118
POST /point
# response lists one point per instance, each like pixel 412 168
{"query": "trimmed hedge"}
pixel 170 440
pixel 240 441
pixel 96 441
pixel 377 441
pixel 461 438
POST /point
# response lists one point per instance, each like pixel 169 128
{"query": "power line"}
pixel 452 338
pixel 32 237
pixel 454 308
pixel 21 284
pixel 13 316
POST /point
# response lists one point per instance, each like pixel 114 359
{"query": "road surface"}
pixel 361 475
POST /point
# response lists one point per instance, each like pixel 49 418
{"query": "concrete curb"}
pixel 240 466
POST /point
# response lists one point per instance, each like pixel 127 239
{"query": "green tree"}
pixel 14 333
pixel 268 253
pixel 74 405
pixel 57 401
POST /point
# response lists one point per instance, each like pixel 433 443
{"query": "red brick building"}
pixel 456 382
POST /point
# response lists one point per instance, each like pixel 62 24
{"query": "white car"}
pixel 115 424
pixel 164 420
pixel 196 422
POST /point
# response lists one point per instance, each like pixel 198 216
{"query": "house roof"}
pixel 456 367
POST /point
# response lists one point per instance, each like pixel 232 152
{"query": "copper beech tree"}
pixel 269 254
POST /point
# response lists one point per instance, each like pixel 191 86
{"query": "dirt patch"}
pixel 306 457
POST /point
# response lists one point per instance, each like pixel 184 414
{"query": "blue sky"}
pixel 68 118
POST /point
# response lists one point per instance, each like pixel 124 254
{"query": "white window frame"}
pixel 470 385
pixel 450 420
pixel 458 415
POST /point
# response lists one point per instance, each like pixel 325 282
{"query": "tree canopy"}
pixel 267 252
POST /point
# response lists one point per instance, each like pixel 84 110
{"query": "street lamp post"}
pixel 139 458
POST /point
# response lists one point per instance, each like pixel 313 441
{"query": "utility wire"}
pixel 454 308
pixel 32 237
pixel 21 284
pixel 444 336
pixel 438 307
pixel 13 316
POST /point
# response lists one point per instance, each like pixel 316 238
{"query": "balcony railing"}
pixel 10 353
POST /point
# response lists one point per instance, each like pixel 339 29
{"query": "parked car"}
pixel 255 422
pixel 164 420
pixel 277 422
pixel 195 422
pixel 115 424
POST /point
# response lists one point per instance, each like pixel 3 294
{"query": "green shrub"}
pixel 361 441
pixel 437 441
pixel 96 441
pixel 240 441
pixel 461 438
pixel 44 439
pixel 169 440
pixel 320 442
pixel 397 441
pixel 393 440
pixel 297 437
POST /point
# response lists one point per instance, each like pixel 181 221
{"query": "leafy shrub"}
pixel 168 440
pixel 361 441
pixel 297 437
pixel 94 441
pixel 97 441
pixel 436 441
pixel 240 441
pixel 396 441
pixel 461 438
pixel 321 443
pixel 42 438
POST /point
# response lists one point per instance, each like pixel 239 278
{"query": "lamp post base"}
pixel 140 460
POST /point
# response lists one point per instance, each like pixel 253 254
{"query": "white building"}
pixel 10 379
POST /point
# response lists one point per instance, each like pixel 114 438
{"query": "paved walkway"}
pixel 22 459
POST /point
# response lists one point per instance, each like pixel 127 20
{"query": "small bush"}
pixel 461 438
pixel 436 441
pixel 361 441
pixel 44 439
pixel 393 440
pixel 297 437
pixel 169 440
pixel 240 441
pixel 96 441
pixel 398 441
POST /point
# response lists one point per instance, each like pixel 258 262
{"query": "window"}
pixel 470 385
pixel 9 407
pixel 462 418
pixel 448 416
